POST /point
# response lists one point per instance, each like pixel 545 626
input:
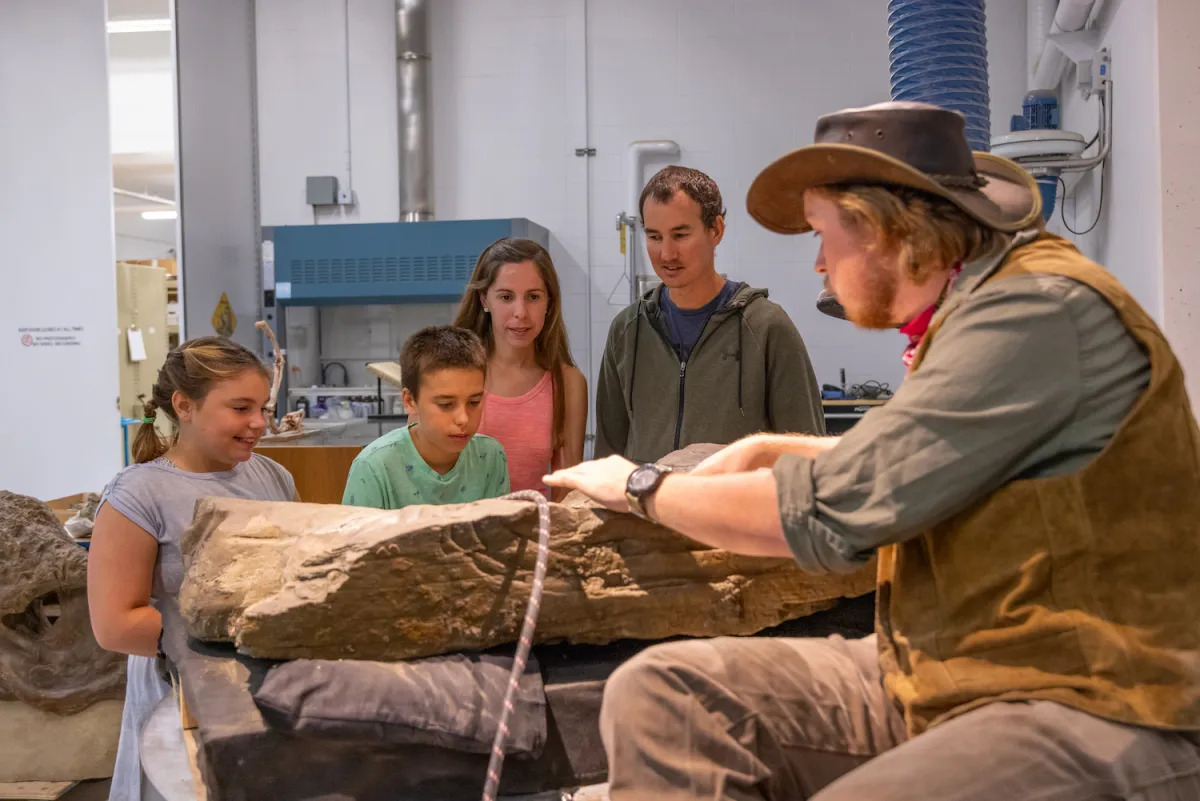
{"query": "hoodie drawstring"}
pixel 741 319
pixel 637 332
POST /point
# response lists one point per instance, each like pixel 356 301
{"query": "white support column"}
pixel 218 168
pixel 1179 116
pixel 58 311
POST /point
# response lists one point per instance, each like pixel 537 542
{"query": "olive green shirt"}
pixel 1028 377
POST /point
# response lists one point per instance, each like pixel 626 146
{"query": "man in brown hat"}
pixel 1031 493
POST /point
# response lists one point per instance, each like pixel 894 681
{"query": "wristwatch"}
pixel 642 483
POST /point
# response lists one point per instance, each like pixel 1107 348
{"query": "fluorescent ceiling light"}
pixel 165 214
pixel 139 26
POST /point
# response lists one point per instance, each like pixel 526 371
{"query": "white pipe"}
pixel 1039 16
pixel 1050 68
pixel 1072 15
pixel 589 440
pixel 1045 166
pixel 639 153
pixel 139 208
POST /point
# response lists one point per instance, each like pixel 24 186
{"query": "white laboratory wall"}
pixel 738 85
pixel 518 85
pixel 1179 162
pixel 511 162
pixel 1127 232
pixel 353 336
pixel 60 420
pixel 309 124
pixel 1145 229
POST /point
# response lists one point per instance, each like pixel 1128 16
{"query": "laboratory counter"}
pixel 319 459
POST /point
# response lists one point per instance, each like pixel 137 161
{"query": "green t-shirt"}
pixel 390 474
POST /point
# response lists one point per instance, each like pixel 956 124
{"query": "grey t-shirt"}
pixel 1029 377
pixel 161 499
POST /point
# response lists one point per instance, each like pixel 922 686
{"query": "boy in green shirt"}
pixel 438 458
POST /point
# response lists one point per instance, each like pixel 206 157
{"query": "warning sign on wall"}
pixel 51 336
pixel 224 320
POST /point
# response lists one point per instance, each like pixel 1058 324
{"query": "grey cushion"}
pixel 449 701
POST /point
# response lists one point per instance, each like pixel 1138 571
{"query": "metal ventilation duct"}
pixel 412 84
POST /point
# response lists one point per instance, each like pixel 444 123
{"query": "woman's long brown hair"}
pixel 551 349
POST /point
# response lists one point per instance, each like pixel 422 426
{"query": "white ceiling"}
pixel 139 9
pixel 154 47
pixel 148 178
pixel 140 50
pixel 148 173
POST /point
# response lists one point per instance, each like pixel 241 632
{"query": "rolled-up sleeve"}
pixel 1002 376
pixel 817 547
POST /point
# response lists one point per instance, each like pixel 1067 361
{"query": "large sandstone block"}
pixel 286 580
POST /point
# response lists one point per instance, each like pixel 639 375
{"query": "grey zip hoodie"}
pixel 749 372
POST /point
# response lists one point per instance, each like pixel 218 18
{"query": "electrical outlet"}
pixel 345 197
pixel 321 190
pixel 1094 74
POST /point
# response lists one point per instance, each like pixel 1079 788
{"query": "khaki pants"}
pixel 762 718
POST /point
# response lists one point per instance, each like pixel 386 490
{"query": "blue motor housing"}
pixel 1048 186
pixel 1039 112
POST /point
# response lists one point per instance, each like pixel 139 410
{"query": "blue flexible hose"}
pixel 938 53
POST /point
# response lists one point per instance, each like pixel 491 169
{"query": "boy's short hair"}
pixel 439 347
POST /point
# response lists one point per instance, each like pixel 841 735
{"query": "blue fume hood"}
pixel 384 263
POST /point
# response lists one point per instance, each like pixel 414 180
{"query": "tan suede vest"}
pixel 1082 589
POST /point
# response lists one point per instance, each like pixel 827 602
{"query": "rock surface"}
pixel 52 664
pixel 285 580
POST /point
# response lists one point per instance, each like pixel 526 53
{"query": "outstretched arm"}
pixel 1002 377
pixel 734 512
pixel 762 450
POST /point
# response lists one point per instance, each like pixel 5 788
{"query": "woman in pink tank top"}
pixel 535 403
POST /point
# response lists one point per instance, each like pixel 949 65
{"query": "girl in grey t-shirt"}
pixel 214 392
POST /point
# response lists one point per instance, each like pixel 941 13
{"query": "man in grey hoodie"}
pixel 699 358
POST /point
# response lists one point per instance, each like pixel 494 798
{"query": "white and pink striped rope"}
pixel 492 785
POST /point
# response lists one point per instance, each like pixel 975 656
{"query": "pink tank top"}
pixel 523 426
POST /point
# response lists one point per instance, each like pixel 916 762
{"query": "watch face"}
pixel 643 480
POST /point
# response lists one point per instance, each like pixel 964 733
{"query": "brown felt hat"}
pixel 897 144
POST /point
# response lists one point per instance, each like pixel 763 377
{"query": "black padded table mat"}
pixel 241 759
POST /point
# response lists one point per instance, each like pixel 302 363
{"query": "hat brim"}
pixel 1008 201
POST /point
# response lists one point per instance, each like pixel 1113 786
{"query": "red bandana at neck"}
pixel 915 329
